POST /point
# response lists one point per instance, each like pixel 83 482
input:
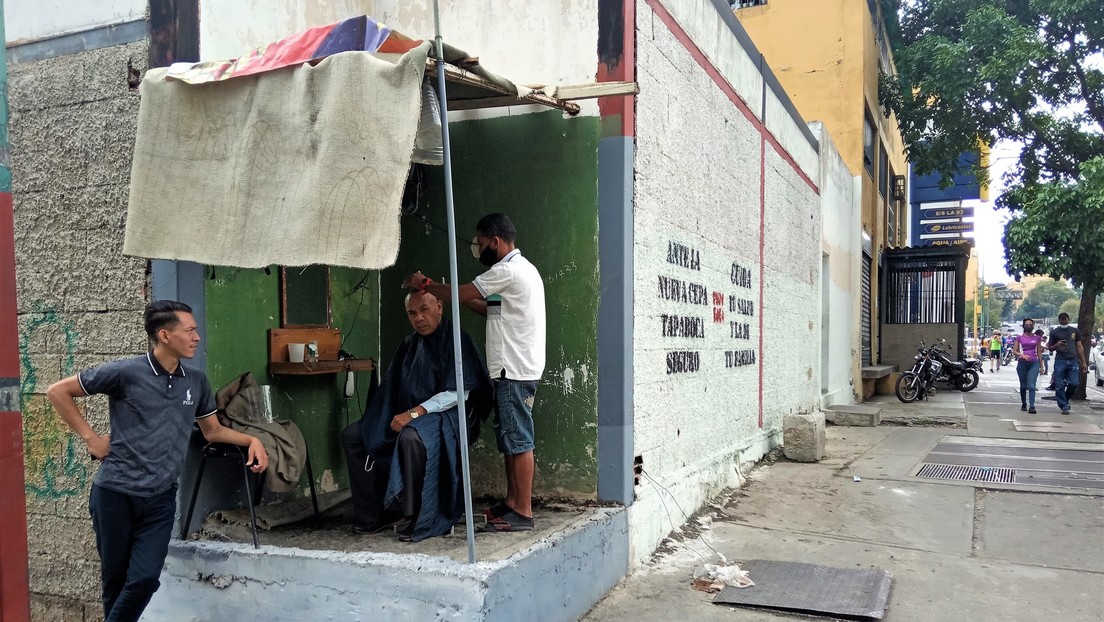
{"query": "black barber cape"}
pixel 421 368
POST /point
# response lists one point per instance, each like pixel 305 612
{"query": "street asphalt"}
pixel 957 550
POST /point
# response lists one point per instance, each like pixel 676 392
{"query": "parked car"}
pixel 1096 362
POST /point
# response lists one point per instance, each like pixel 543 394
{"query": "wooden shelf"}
pixel 320 367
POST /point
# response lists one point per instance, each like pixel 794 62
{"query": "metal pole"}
pixel 454 285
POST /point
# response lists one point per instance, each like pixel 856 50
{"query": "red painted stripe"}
pixel 625 71
pixel 9 358
pixel 14 597
pixel 704 62
pixel 762 257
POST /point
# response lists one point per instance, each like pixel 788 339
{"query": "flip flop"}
pixel 511 521
pixel 497 510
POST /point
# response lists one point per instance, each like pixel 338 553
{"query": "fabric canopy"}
pixel 299 166
pixel 279 157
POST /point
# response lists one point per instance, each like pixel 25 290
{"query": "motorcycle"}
pixel 919 381
pixel 975 364
pixel 961 375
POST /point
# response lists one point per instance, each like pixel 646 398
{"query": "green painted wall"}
pixel 242 305
pixel 541 170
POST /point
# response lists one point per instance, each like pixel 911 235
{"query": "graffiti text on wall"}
pixel 736 309
pixel 677 290
pixel 682 326
pixel 54 462
pixel 682 255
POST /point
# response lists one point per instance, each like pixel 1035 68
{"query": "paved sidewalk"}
pixel 957 551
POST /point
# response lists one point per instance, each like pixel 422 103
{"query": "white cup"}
pixel 295 352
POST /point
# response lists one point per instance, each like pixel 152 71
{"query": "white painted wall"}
pixel 842 241
pixel 698 164
pixel 27 20
pixel 706 27
pixel 527 42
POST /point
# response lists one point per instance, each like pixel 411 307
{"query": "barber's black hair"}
pixel 497 225
pixel 1061 314
pixel 162 314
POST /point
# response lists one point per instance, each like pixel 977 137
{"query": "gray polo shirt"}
pixel 152 413
pixel 1069 333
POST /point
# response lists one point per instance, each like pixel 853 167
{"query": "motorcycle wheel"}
pixel 908 388
pixel 968 381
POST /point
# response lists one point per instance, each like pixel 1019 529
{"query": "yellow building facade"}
pixel 828 56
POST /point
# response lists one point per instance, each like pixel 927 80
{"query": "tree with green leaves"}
pixel 1020 70
pixel 1044 301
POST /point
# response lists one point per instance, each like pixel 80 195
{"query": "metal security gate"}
pixel 867 350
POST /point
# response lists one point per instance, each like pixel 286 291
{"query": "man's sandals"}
pixel 502 518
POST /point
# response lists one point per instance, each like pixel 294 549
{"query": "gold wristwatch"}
pixel 414 414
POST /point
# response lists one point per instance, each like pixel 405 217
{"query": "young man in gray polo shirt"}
pixel 511 295
pixel 1065 342
pixel 153 402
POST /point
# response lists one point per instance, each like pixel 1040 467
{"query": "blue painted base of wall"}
pixel 558 578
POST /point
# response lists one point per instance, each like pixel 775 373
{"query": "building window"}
pixel 743 4
pixel 883 173
pixel 920 291
pixel 868 145
pixel 891 208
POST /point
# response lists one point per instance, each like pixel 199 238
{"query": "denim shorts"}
pixel 514 415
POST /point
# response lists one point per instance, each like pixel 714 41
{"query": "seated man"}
pixel 404 453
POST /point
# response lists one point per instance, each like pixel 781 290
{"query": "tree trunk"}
pixel 1085 317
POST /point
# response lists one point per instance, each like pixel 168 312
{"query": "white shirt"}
pixel 442 401
pixel 515 318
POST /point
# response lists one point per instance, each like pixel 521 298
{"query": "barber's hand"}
pixel 258 458
pixel 414 281
pixel 400 421
pixel 99 446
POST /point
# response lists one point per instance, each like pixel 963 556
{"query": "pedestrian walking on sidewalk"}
pixel 995 351
pixel 1069 356
pixel 1027 348
pixel 1045 358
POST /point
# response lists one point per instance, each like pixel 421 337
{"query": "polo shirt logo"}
pixel 188 398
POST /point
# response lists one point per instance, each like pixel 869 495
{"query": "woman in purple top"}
pixel 1026 349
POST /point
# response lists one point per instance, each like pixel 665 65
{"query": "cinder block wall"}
pixel 80 300
pixel 726 289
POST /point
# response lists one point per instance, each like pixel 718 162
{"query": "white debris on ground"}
pixel 714 577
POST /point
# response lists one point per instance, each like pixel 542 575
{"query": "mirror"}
pixel 305 296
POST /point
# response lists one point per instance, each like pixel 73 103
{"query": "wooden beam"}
pixel 498 96
pixel 597 89
pixel 486 102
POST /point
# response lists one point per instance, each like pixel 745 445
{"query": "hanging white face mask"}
pixel 475 247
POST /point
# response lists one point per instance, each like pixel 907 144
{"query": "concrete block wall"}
pixel 725 343
pixel 80 300
pixel 791 308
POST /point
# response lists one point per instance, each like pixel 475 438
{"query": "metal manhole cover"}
pixel 998 475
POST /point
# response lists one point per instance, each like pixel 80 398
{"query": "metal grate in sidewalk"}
pixel 999 475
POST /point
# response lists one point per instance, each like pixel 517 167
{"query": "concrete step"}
pixel 856 415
